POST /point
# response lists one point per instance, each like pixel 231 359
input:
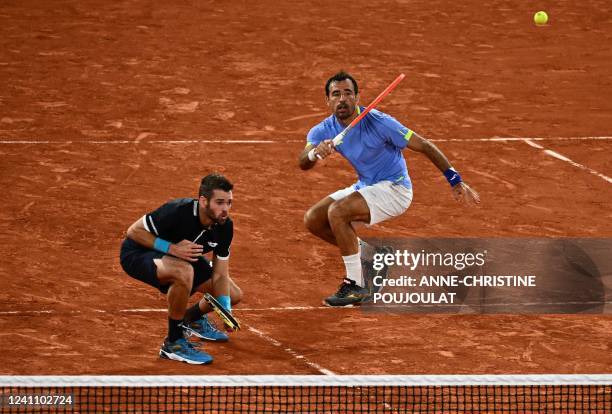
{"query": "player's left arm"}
pixel 220 266
pixel 461 191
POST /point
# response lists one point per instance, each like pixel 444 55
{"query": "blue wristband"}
pixel 452 177
pixel 225 301
pixel 161 245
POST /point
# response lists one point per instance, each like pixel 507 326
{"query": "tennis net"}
pixel 308 394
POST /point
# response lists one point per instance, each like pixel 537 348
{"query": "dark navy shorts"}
pixel 137 261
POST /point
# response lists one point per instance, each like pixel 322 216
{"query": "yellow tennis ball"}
pixel 540 18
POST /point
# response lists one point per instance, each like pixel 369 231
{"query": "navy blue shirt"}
pixel 179 220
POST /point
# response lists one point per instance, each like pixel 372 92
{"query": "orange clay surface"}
pixel 89 88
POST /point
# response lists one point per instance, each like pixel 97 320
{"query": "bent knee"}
pixel 184 279
pixel 179 273
pixel 338 210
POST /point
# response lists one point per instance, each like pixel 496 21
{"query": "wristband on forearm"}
pixel 452 177
pixel 161 245
pixel 225 301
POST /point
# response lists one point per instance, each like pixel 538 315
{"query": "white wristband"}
pixel 312 156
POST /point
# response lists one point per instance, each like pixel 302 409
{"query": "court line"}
pixel 562 157
pixel 291 141
pixel 301 308
pixel 528 140
pixel 152 310
pixel 313 115
pixel 286 308
pixel 291 352
pixel 511 139
pixel 153 141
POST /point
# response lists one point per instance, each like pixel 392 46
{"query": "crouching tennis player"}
pixel 165 249
pixel 383 190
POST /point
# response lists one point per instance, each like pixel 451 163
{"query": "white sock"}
pixel 353 268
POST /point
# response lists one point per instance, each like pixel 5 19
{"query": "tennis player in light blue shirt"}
pixel 383 189
pixel 373 147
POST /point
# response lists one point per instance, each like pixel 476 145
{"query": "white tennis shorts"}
pixel 385 199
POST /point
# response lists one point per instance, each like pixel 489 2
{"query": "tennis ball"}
pixel 540 18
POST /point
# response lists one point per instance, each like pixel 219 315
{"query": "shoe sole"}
pixel 168 355
pixel 348 305
pixel 197 335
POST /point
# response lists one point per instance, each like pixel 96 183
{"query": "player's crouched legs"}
pixel 179 275
pixel 341 214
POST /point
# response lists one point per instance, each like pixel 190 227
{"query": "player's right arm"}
pixel 312 153
pixel 318 146
pixel 185 249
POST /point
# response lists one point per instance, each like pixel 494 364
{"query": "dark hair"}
pixel 338 77
pixel 214 181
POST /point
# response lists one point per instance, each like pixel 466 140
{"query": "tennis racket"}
pixel 226 316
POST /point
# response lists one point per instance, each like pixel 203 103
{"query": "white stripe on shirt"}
pixel 144 223
pixel 153 226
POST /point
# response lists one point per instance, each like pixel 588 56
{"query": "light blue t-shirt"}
pixel 373 147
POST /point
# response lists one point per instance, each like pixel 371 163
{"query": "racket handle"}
pixel 338 138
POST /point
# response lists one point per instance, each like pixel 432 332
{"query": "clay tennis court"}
pixel 107 110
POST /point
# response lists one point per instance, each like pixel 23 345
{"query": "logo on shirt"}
pixel 212 244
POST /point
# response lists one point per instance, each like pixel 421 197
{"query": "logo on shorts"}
pixel 211 244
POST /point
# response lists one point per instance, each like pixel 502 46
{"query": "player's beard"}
pixel 220 219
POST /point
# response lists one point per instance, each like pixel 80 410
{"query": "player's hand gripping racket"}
pixel 338 138
pixel 226 316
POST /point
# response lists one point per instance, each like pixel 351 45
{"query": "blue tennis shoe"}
pixel 204 329
pixel 182 350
